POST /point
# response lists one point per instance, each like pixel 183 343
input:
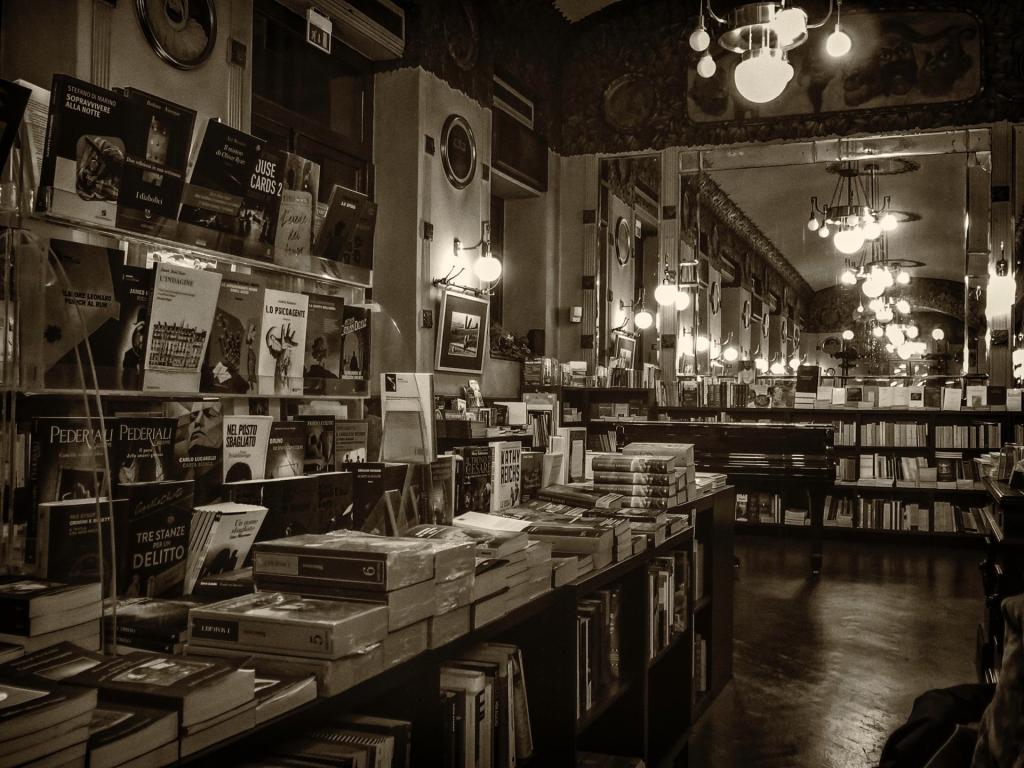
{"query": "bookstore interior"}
pixel 398 382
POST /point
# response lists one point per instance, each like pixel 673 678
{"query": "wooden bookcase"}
pixel 586 398
pixel 648 714
pixel 1002 572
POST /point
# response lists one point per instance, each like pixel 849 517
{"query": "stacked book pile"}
pixel 35 613
pixel 793 516
pixel 366 573
pixel 838 511
pixel 148 624
pixel 346 739
pixel 709 482
pixel 684 468
pixel 454 580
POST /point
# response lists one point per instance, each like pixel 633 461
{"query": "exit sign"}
pixel 318 30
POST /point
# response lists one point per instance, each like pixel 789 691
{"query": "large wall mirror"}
pixel 628 260
pixel 869 257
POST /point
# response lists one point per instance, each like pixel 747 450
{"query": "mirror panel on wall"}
pixel 628 223
pixel 870 259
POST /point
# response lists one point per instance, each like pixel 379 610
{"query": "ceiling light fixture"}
pixel 763 34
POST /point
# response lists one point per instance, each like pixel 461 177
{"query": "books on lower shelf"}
pixel 975 435
pixel 894 434
pixel 599 637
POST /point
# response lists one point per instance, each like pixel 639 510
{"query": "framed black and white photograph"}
pixel 462 333
pixel 625 346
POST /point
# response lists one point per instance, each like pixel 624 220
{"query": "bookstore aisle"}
pixel 825 669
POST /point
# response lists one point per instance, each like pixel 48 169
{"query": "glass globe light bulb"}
pixel 823 231
pixel 794 362
pixel 790 24
pixel 872 288
pixel 716 350
pixel 860 307
pixel 848 277
pixel 731 354
pixel 912 331
pixel 848 335
pixel 888 222
pixel 894 334
pixel 938 334
pixel 778 369
pixel 838 44
pixel 890 348
pixel 682 300
pixel 887 279
pixel 762 75
pixel 761 364
pixel 700 39
pixel 487 268
pixel 872 230
pixel 904 351
pixel 849 241
pixel 706 66
pixel 702 344
pixel 813 224
pixel 884 315
pixel 876 305
pixel 903 277
pixel 903 306
pixel 665 294
pixel 643 319
pixel 877 332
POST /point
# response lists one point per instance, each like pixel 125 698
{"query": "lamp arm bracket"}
pixel 828 16
pixel 712 14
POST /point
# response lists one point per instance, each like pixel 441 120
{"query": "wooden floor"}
pixel 825 669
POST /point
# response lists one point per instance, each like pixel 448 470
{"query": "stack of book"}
pixel 372 571
pixel 43 722
pixel 838 511
pixel 648 481
pixel 148 624
pixel 793 516
pixel 709 482
pixel 454 579
pixel 36 614
pixel 349 739
pixel 213 700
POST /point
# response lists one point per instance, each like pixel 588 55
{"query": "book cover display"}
pixel 183 305
pixel 473 479
pixel 323 361
pixel 319 452
pixel 221 537
pixel 407 417
pixel 246 440
pixel 282 342
pixel 67 460
pixel 103 301
pixel 346 237
pixel 297 213
pixel 142 450
pixel 378 496
pixel 350 440
pixel 287 449
pixel 157 139
pixel 152 539
pixel 233 350
pixel 355 350
pixel 66 540
pixel 198 445
pixel 83 159
pixel 505 481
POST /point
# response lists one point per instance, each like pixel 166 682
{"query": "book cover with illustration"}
pixel 103 301
pixel 222 163
pixel 293 505
pixel 183 304
pixel 437 491
pixel 378 491
pixel 334 497
pixel 355 350
pixel 142 450
pixel 282 342
pixel 506 469
pixel 532 473
pixel 261 205
pixel 319 453
pixel 83 158
pixel 152 539
pixel 407 417
pixel 157 139
pixel 220 539
pixel 198 440
pixel 246 441
pixel 233 350
pixel 286 450
pixel 322 364
pixel 473 479
pixel 346 237
pixel 297 215
pixel 350 442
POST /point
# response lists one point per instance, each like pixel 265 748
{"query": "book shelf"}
pixel 588 400
pixel 648 713
pixel 1002 572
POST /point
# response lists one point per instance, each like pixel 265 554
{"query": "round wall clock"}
pixel 458 151
pixel 622 241
pixel 182 32
pixel 831 345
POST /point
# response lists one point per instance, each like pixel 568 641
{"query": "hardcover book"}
pixel 213 212
pixel 643 464
pixel 83 160
pixel 67 544
pixel 350 438
pixel 246 442
pixel 142 450
pixel 183 305
pixel 407 417
pixel 149 622
pixel 322 371
pixel 355 350
pixel 286 450
pixel 362 562
pixel 294 508
pixel 506 463
pixel 282 342
pixel 220 539
pixel 319 453
pixel 152 539
pixel 198 452
pixel 473 479
pixel 233 350
pixel 157 139
pixel 291 624
pixel 103 301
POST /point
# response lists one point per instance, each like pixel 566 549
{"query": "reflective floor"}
pixel 826 669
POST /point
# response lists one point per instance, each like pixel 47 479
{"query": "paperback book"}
pixel 152 539
pixel 67 543
pixel 407 417
pixel 183 305
pixel 233 351
pixel 473 479
pixel 506 462
pixel 246 443
pixel 355 350
pixel 319 453
pixel 282 342
pixel 322 374
pixel 286 449
pixel 142 450
pixel 198 446
pixel 220 538
pixel 350 439
pixel 346 237
pixel 297 214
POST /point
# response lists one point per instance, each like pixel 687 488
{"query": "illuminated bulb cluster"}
pixel 850 232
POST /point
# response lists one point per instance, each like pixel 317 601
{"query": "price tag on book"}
pixel 318 30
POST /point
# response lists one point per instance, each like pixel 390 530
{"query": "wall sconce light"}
pixel 847 335
pixel 938 334
pixel 760 361
pixel 686 346
pixel 795 362
pixel 666 293
pixel 1001 286
pixel 643 318
pixel 486 268
pixel 777 368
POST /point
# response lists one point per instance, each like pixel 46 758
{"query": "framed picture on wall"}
pixel 625 346
pixel 462 335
